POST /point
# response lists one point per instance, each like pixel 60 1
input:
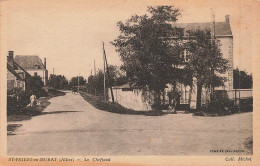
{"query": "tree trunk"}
pixel 157 99
pixel 199 91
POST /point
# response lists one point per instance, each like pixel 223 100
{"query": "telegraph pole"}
pixel 95 76
pixel 78 83
pixel 104 72
pixel 105 61
pixel 214 51
pixel 95 67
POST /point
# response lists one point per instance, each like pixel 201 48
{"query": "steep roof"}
pixel 221 28
pixel 10 69
pixel 18 67
pixel 28 61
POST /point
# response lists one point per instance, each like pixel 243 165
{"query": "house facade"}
pixel 33 65
pixel 16 75
pixel 223 35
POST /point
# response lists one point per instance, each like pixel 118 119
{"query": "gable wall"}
pixel 227 51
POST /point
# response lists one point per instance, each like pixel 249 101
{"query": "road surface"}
pixel 71 126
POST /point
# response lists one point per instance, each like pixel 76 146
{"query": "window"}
pixel 36 66
pixel 218 43
pixel 186 55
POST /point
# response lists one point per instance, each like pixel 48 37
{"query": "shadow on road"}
pixel 57 112
pixel 11 128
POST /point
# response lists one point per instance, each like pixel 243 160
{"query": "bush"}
pixel 17 100
pixel 158 106
pixel 246 105
pixel 35 85
pixel 220 107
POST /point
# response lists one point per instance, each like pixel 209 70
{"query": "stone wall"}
pixel 134 99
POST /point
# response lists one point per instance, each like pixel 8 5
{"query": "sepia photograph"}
pixel 128 78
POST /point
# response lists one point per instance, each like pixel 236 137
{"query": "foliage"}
pixel 246 105
pixel 34 86
pixel 150 56
pixel 95 83
pixel 205 62
pixel 75 81
pixel 58 82
pixel 221 106
pixel 17 100
pixel 242 80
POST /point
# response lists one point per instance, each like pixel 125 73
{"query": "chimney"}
pixel 11 54
pixel 10 58
pixel 213 24
pixel 45 63
pixel 227 19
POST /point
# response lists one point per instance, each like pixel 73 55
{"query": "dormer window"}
pixel 218 43
pixel 36 66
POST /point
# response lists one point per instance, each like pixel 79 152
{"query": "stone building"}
pixel 223 35
pixel 16 75
pixel 33 65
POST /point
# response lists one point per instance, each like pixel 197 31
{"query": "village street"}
pixel 71 126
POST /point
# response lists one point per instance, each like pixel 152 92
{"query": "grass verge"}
pixel 100 104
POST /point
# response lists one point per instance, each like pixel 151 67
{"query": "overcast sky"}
pixel 69 32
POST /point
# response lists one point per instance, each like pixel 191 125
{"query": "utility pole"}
pixel 95 76
pixel 212 89
pixel 95 67
pixel 105 96
pixel 112 95
pixel 78 83
pixel 53 71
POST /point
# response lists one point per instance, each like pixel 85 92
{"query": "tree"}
pixel 205 62
pixel 34 85
pixel 116 76
pixel 58 81
pixel 96 83
pixel 147 50
pixel 242 80
pixel 79 80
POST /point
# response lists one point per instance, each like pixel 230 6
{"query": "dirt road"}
pixel 71 126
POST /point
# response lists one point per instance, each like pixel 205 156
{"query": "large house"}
pixel 16 75
pixel 33 65
pixel 223 34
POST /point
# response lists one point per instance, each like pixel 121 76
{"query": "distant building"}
pixel 33 65
pixel 16 75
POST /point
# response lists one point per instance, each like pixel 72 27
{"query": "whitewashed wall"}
pixel 132 99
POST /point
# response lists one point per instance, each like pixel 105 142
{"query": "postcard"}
pixel 122 82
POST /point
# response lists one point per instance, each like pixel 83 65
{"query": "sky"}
pixel 69 33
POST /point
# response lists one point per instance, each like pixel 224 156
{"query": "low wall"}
pixel 131 99
pixel 240 93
